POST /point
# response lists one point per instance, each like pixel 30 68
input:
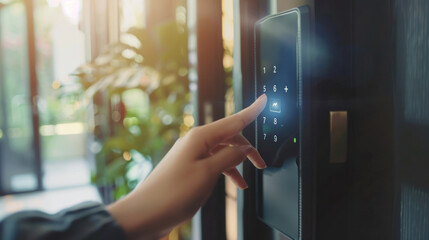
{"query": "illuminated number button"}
pixel 275 69
pixel 275 88
pixel 264 70
pixel 275 138
pixel 264 88
pixel 264 119
pixel 275 106
pixel 275 121
pixel 265 136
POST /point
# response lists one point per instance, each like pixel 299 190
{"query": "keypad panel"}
pixel 277 77
pixel 279 41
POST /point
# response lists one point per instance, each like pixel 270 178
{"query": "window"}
pixel 17 155
pixel 60 49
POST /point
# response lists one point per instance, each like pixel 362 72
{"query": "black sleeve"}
pixel 84 221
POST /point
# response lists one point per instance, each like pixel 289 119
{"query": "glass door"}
pixel 19 160
pixel 60 49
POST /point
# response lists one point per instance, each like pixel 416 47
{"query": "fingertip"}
pixel 261 102
pixel 235 176
pixel 262 96
pixel 256 159
pixel 241 185
pixel 261 163
pixel 261 166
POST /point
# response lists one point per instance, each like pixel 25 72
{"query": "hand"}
pixel 185 178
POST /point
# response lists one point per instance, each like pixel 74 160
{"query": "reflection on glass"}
pixel 17 153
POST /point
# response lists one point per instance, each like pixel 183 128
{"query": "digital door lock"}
pixel 279 43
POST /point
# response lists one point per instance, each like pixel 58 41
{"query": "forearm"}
pixel 160 203
pixel 84 221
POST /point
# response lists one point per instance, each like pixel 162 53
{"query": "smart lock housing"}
pixel 280 47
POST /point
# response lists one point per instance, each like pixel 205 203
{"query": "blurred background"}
pixel 94 93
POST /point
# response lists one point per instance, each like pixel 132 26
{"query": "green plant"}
pixel 149 69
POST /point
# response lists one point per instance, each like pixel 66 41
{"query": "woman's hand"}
pixel 185 178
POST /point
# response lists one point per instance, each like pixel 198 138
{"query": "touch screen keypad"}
pixel 277 77
pixel 281 69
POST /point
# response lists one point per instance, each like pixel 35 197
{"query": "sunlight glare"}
pixel 70 8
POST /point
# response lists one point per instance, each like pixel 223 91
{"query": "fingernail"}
pixel 261 97
pixel 262 166
pixel 245 149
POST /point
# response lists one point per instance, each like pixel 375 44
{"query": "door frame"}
pixel 32 80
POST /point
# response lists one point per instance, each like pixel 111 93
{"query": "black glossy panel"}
pixel 276 69
pixel 277 50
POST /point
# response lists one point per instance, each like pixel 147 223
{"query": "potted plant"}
pixel 138 90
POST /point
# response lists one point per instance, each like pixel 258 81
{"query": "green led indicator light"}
pixel 266 129
pixel 294 140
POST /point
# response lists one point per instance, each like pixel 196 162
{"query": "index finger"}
pixel 216 132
